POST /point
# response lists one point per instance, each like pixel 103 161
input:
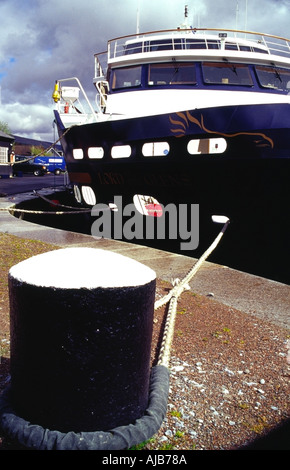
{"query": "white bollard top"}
pixel 89 268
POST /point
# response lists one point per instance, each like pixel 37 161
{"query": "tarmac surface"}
pixel 266 299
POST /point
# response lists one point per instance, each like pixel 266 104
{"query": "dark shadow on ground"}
pixel 276 439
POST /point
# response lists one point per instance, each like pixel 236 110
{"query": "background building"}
pixel 6 142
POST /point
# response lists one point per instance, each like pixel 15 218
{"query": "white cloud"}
pixel 42 41
pixel 28 120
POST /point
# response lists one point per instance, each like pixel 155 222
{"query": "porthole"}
pixel 95 152
pixel 89 195
pixel 121 151
pixel 77 194
pixel 148 205
pixel 78 154
pixel 207 146
pixel 155 149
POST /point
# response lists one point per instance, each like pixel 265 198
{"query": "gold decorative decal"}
pixel 183 123
pixel 181 126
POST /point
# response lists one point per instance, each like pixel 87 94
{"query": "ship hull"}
pixel 248 181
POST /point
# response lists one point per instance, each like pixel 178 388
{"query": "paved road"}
pixel 24 184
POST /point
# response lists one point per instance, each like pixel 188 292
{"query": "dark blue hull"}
pixel 248 182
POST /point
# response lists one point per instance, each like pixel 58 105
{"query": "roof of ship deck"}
pixel 119 56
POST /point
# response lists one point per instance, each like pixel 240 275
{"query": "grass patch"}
pixel 13 250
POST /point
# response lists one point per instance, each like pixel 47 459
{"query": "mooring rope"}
pixel 76 210
pixel 45 150
pixel 58 204
pixel 27 211
pixel 172 298
pixel 165 348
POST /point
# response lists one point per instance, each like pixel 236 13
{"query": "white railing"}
pixel 134 44
pixel 78 106
pixel 101 64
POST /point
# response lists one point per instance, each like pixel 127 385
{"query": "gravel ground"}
pixel 229 380
pixel 230 372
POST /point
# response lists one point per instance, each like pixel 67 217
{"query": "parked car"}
pixel 26 165
pixel 54 164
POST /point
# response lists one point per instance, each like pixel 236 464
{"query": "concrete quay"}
pixel 266 299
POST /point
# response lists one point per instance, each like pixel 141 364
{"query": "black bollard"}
pixel 81 330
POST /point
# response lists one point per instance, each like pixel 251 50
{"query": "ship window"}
pixel 147 205
pixel 95 152
pixel 78 154
pixel 178 43
pixel 226 74
pixel 213 44
pixel 273 77
pixel 134 48
pixel 231 46
pixel 162 45
pixel 206 146
pixel 77 194
pixel 263 51
pixel 155 149
pixel 126 77
pixel 172 74
pixel 89 196
pixel 244 48
pixel 121 151
pixel 195 44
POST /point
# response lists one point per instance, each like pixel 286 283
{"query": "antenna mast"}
pixel 237 15
pixel 186 15
pixel 185 24
pixel 138 19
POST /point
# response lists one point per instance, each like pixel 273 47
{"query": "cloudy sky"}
pixel 45 40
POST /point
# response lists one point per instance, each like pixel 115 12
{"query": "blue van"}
pixel 54 164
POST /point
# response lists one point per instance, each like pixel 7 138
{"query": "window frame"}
pixel 172 66
pixel 155 149
pixel 222 81
pixel 114 86
pixel 277 71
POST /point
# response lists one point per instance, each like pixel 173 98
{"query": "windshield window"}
pixel 273 77
pixel 126 77
pixel 226 74
pixel 172 74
